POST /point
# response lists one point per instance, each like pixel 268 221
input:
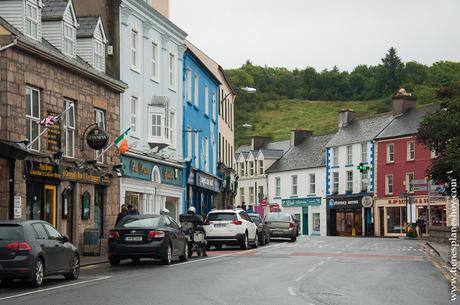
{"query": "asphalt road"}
pixel 314 270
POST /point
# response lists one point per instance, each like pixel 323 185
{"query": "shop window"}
pixel 85 205
pixel 364 181
pixel 316 222
pixel 99 209
pixel 33 117
pixel 396 219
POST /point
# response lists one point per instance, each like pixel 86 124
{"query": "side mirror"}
pixel 65 238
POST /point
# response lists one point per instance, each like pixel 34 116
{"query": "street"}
pixel 313 270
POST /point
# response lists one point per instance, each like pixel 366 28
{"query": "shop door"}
pixel 382 221
pixel 305 220
pixel 171 205
pixel 49 212
pixel 67 211
pixel 358 222
pixel 99 209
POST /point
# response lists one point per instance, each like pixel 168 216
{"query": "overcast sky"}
pixel 320 33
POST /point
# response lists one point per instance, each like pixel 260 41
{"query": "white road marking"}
pixel 321 263
pixel 291 291
pixel 55 287
pixel 311 269
pixel 300 278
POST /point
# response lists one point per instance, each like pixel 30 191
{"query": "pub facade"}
pixel 55 109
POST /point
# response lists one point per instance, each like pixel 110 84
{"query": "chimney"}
pixel 346 116
pixel 161 6
pixel 259 142
pixel 402 102
pixel 298 135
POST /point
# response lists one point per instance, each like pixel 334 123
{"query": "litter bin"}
pixel 91 242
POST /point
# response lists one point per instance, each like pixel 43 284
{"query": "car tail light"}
pixel 237 222
pixel 114 235
pixel 291 226
pixel 21 246
pixel 156 234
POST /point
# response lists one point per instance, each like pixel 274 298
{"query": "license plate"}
pixel 220 225
pixel 133 238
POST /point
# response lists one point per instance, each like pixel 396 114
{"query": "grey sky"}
pixel 321 33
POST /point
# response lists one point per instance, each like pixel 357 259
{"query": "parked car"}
pixel 281 225
pixel 297 224
pixel 153 236
pixel 31 250
pixel 230 227
pixel 262 230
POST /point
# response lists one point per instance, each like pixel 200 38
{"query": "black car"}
pixel 31 250
pixel 153 236
pixel 262 230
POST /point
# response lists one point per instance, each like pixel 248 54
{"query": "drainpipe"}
pixel 12 164
pixel 15 42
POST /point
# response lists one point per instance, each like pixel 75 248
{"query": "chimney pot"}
pixel 346 116
pixel 298 135
pixel 403 101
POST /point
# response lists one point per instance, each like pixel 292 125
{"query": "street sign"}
pixel 420 188
pixel 419 182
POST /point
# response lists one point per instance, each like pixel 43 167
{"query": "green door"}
pixel 305 220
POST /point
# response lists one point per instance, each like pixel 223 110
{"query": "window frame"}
pixel 242 194
pixel 154 62
pixel 277 186
pixel 335 182
pixel 364 152
pixel 349 154
pixel 31 119
pixel 69 129
pixel 410 182
pixel 188 87
pixel 214 112
pixel 134 116
pixel 99 55
pixel 294 185
pixel 206 100
pixel 104 127
pixel 410 152
pixel 390 152
pixel 388 184
pixel 251 194
pixel 349 188
pixel 335 156
pixel 68 40
pixel 196 93
pixel 172 71
pixel 135 49
pixel 312 183
pixel 364 184
pixel 34 21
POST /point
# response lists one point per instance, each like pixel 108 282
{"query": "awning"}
pixel 12 150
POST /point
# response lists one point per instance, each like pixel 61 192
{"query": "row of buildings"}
pixel 368 179
pixel 111 69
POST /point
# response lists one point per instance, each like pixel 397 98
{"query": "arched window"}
pixel 156 176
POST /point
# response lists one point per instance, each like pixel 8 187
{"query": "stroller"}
pixel 196 235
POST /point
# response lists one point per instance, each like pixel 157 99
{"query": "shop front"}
pixel 394 214
pixel 350 215
pixel 201 191
pixel 308 211
pixel 150 185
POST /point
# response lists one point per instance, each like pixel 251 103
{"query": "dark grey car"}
pixel 281 225
pixel 262 229
pixel 33 249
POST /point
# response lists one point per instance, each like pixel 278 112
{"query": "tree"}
pixel 440 131
pixel 391 72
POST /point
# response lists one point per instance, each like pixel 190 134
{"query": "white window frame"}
pixel 196 92
pixel 214 112
pixel 135 49
pixel 410 182
pixel 242 194
pixel 294 185
pixel 349 182
pixel 206 100
pixel 189 143
pixel 364 152
pixel 206 153
pixel 389 185
pixel 69 130
pixel 188 87
pixel 390 153
pixel 31 22
pixel 134 118
pixel 349 154
pixel 277 186
pixel 32 120
pixel 103 127
pixel 261 167
pixel 155 62
pixel 251 195
pixel 242 169
pixel 172 130
pixel 68 44
pixel 312 179
pixel 158 134
pixel 411 151
pixel 364 181
pixel 335 182
pixel 172 71
pixel 335 156
pixel 251 168
pixel 99 56
pixel 197 147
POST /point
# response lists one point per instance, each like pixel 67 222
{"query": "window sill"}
pixel 172 89
pixel 349 165
pixel 136 69
pixel 410 160
pixel 206 115
pixel 294 196
pixel 390 162
pixel 277 197
pixel 189 102
pixel 155 80
pixel 389 194
pixel 196 107
pixel 335 166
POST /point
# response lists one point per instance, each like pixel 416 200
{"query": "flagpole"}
pixel 112 144
pixel 46 129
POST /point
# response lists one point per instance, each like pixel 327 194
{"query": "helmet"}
pixel 191 210
pixel 164 211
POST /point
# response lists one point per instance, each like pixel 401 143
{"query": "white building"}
pixel 252 161
pixel 296 181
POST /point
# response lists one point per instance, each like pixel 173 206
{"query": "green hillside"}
pixel 278 118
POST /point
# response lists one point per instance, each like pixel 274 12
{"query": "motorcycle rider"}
pixel 197 225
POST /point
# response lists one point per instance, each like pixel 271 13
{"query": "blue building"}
pixel 200 94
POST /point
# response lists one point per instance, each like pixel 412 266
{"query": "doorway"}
pixel 49 208
pixel 382 221
pixel 99 209
pixel 305 220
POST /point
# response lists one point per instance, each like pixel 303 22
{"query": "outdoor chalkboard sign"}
pixel 85 205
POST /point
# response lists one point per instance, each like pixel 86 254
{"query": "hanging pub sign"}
pixel 97 138
pixel 53 137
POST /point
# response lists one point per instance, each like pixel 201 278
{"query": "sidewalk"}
pixel 92 260
pixel 443 250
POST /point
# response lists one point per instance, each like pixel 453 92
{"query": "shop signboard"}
pixel 42 170
pixel 78 175
pixel 97 138
pixel 136 168
pixel 207 182
pixel 53 137
pixel 17 206
pixel 300 202
pixel 344 203
pixel 170 175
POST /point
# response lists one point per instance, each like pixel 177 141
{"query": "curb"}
pixel 82 264
pixel 447 261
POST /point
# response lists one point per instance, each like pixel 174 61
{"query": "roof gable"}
pixel 54 10
pixel 90 26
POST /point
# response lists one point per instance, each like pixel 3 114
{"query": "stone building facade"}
pixel 59 181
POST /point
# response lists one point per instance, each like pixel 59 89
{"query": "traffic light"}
pixel 363 167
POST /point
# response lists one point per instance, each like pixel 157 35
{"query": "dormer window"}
pixel 32 20
pixel 99 55
pixel 91 41
pixel 69 39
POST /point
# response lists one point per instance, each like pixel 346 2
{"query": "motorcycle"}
pixel 196 237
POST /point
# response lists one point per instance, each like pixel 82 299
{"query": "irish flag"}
pixel 121 142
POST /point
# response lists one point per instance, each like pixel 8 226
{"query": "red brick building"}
pixel 400 160
pixel 58 178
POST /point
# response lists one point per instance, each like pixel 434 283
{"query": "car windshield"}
pixel 278 217
pixel 222 217
pixel 11 232
pixel 256 219
pixel 150 222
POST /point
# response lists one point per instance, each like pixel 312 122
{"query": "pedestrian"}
pixel 123 213
pixel 132 210
pixel 250 209
pixel 420 226
pixel 243 206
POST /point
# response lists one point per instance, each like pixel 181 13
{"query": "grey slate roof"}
pixel 54 9
pixel 407 123
pixel 272 153
pixel 361 130
pixel 308 154
pixel 243 148
pixel 271 150
pixel 87 26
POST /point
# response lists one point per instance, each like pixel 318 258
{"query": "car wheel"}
pixel 39 273
pixel 75 269
pixel 190 251
pixel 114 261
pixel 208 246
pixel 262 241
pixel 268 239
pixel 293 238
pixel 136 260
pixel 218 246
pixel 184 257
pixel 256 241
pixel 245 243
pixel 167 259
